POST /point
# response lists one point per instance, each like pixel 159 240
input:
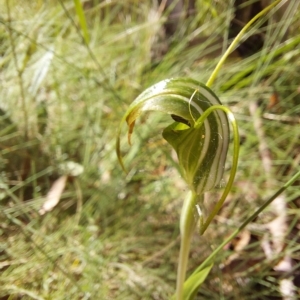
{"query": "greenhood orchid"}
pixel 200 135
pixel 201 150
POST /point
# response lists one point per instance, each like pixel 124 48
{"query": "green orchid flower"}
pixel 200 135
pixel 201 150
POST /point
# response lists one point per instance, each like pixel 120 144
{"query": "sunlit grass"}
pixel 121 243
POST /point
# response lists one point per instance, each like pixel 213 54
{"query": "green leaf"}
pixel 201 147
pixel 193 283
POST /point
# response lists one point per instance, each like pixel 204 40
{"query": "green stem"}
pixel 235 42
pixel 187 225
pixel 209 260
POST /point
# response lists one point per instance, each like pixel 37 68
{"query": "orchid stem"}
pixel 187 226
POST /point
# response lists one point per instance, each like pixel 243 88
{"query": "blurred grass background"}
pixel 114 236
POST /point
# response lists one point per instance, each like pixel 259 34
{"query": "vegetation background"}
pixel 64 89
